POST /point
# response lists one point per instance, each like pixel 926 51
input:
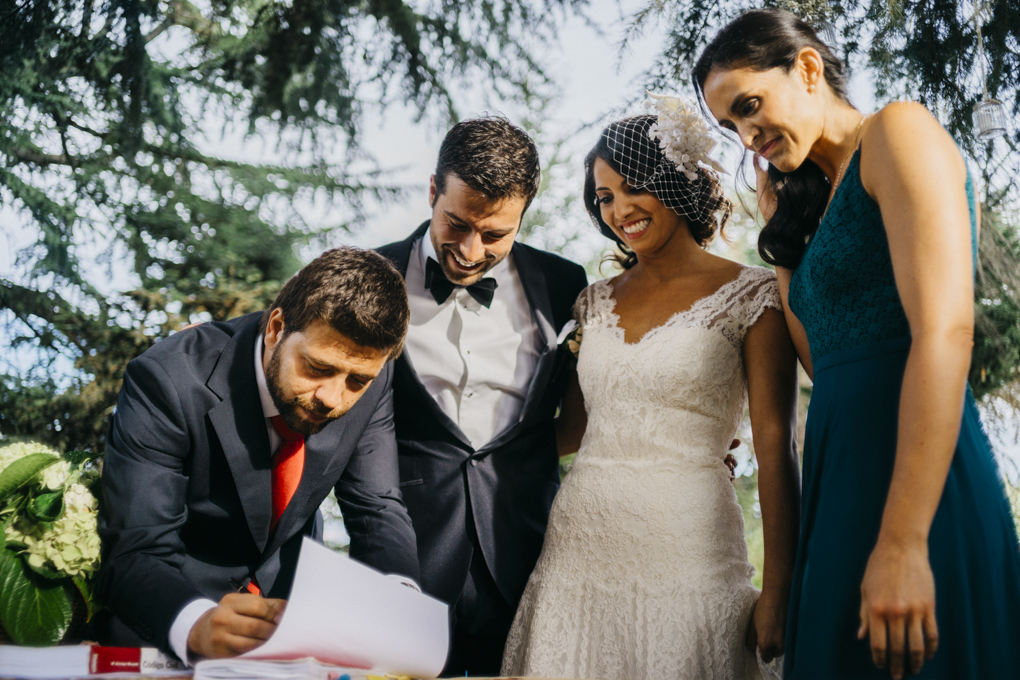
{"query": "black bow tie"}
pixel 435 280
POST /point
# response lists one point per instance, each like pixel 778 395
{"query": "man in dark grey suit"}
pixel 227 438
pixel 476 391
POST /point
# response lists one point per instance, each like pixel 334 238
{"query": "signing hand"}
pixel 239 623
pixel 763 189
pixel 767 629
pixel 898 607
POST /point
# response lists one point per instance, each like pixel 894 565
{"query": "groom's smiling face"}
pixel 471 232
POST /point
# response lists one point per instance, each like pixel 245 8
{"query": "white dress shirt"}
pixel 193 611
pixel 476 362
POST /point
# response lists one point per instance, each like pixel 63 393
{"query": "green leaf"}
pixel 47 507
pixel 21 471
pixel 85 590
pixel 78 458
pixel 34 613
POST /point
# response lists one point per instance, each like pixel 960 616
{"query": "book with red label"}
pixel 53 663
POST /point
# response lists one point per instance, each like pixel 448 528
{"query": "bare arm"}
pixel 573 419
pixel 912 168
pixel 796 328
pixel 771 365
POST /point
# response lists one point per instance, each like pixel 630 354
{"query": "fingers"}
pixel 916 643
pixel 931 634
pixel 897 627
pixel 862 631
pixel 734 444
pixel 250 605
pixel 879 640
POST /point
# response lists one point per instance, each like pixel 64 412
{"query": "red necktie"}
pixel 288 464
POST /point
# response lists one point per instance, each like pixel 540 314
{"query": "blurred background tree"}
pixel 104 105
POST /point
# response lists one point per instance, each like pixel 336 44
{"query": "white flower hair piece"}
pixel 682 133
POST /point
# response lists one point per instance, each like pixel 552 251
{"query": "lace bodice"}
pixel 678 384
pixel 644 570
pixel 843 291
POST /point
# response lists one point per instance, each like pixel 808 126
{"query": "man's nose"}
pixel 471 247
pixel 331 393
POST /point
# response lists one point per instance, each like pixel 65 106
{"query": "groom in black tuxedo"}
pixel 479 383
pixel 227 438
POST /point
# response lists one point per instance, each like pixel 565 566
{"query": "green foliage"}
pixel 34 612
pixel 104 107
pixel 996 359
pixel 19 473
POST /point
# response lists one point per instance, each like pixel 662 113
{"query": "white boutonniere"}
pixel 571 337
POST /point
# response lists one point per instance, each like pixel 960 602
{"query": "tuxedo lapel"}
pixel 537 292
pixel 400 253
pixel 241 430
pixel 405 375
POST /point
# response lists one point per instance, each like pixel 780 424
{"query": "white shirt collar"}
pixel 268 407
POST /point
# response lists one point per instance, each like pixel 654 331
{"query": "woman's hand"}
pixel 898 606
pixel 763 188
pixel 767 628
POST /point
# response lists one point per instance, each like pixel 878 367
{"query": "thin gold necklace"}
pixel 839 172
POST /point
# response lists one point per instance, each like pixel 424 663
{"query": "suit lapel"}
pixel 400 255
pixel 241 429
pixel 536 290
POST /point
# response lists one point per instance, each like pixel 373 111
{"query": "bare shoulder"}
pixel 904 141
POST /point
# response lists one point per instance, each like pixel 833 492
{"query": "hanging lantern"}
pixel 990 119
pixel 989 115
pixel 827 34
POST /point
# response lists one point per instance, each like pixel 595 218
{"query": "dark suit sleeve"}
pixel 369 496
pixel 145 486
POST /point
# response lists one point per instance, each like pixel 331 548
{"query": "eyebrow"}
pixel 454 218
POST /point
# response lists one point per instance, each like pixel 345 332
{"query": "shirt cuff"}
pixel 185 621
pixel 404 581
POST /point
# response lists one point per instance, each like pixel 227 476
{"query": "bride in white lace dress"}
pixel 644 570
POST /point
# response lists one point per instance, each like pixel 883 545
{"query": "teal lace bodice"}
pixel 844 292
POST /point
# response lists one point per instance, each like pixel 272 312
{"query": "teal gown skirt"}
pixel 849 453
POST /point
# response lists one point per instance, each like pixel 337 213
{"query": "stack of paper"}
pixel 301 669
pixel 348 615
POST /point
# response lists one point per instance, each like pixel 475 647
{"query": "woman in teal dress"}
pixel 908 561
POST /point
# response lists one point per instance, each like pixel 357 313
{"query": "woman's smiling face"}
pixel 777 114
pixel 638 218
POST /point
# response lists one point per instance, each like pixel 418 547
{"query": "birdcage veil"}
pixel 666 152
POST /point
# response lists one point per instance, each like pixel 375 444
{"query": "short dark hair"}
pixel 357 292
pixel 493 157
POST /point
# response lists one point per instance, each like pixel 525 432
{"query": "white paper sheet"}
pixel 345 613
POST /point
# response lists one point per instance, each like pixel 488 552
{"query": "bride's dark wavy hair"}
pixel 708 190
pixel 761 40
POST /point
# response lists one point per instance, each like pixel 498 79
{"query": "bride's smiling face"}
pixel 638 218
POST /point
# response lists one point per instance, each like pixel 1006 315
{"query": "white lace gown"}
pixel 644 570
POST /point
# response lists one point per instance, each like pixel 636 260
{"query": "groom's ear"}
pixel 433 193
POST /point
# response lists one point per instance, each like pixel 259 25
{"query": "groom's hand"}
pixel 238 624
pixel 730 461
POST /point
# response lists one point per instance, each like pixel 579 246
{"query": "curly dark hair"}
pixel 357 292
pixel 707 189
pixel 761 40
pixel 492 156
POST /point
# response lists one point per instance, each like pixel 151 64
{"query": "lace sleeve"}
pixel 583 305
pixel 762 295
pixel 744 302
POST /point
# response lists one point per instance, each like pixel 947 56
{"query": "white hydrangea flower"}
pixel 12 451
pixel 55 476
pixel 683 134
pixel 71 544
